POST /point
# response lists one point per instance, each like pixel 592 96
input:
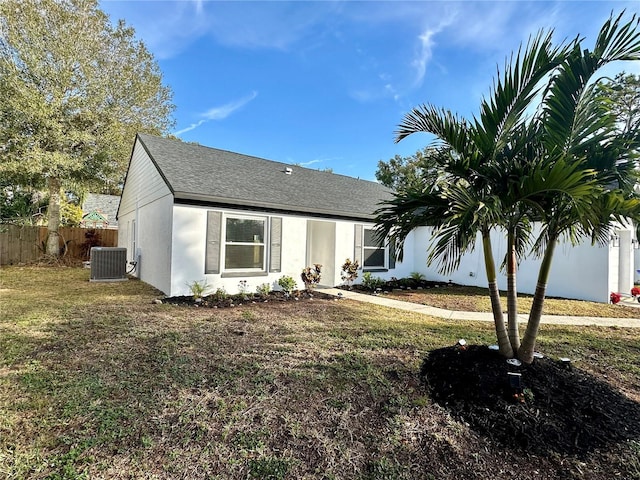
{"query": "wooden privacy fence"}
pixel 25 244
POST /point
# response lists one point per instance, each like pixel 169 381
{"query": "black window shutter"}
pixel 275 262
pixel 357 249
pixel 392 253
pixel 212 253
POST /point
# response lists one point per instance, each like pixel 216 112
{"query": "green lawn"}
pixel 97 381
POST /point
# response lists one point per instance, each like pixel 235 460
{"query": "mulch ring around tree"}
pixel 563 410
pixel 226 301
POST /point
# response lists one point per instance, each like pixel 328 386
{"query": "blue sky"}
pixel 325 84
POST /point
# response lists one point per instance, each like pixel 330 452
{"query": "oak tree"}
pixel 74 91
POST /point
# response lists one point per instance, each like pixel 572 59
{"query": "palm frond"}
pixel 452 130
pixel 407 210
pixel 569 117
pixel 514 90
pixel 467 214
pixel 618 42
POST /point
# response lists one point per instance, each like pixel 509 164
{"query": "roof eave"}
pixel 244 205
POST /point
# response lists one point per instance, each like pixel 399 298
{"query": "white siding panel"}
pixel 147 203
pixel 345 238
pixel 144 184
pixel 294 249
pixel 579 272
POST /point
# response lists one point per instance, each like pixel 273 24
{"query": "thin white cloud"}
pixel 310 162
pixel 223 111
pixel 426 52
pixel 427 44
pixel 199 6
pixel 219 113
pixel 189 128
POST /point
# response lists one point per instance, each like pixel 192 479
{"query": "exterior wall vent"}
pixel 108 264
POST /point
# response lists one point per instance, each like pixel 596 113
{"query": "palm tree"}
pixel 577 136
pixel 470 202
pixel 506 171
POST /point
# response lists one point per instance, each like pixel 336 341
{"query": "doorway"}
pixel 321 248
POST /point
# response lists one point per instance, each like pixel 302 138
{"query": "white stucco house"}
pixel 192 213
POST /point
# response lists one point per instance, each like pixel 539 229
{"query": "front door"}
pixel 321 248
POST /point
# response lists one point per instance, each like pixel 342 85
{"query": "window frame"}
pixel 383 246
pixel 223 244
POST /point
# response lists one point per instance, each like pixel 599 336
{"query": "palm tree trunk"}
pixel 525 352
pixel 53 242
pixel 512 294
pixel 494 294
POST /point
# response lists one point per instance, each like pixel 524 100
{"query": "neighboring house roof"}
pixel 195 173
pixel 98 208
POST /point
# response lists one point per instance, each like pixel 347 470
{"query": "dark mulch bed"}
pixel 226 301
pixel 398 284
pixel 565 410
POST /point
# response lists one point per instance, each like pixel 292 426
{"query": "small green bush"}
pixel 220 295
pixel 263 289
pixel 287 283
pixel 198 288
pixel 370 282
pixel 417 276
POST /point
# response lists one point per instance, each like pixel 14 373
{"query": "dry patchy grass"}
pixel 96 381
pixel 475 299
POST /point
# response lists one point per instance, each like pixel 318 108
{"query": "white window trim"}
pixel 265 243
pixel 384 247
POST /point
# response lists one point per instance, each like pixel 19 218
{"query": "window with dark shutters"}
pixel 236 244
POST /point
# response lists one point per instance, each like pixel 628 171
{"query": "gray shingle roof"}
pixel 197 173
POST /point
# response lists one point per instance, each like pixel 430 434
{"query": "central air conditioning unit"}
pixel 108 264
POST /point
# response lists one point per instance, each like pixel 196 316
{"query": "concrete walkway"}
pixel 478 316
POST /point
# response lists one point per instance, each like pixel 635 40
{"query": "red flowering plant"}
pixel 615 297
pixel 635 292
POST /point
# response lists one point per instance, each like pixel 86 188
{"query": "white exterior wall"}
pixel 147 203
pixel 345 233
pixel 154 242
pixel 625 261
pixel 583 272
pixel 471 270
pixel 189 245
pixel 579 272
